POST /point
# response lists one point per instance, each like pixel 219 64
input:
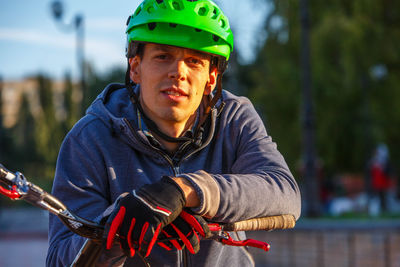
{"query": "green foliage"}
pixel 96 82
pixel 273 81
pixel 48 133
pixel 24 132
pixel 70 104
pixel 355 107
pixel 6 142
pixel 32 144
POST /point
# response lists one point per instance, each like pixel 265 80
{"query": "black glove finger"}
pixel 125 247
pixel 127 244
pixel 187 234
pixel 148 238
pixel 140 215
pixel 168 239
pixel 163 241
pixel 197 223
pixel 113 225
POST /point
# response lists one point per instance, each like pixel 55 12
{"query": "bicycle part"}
pixel 226 239
pixel 18 188
pixel 284 221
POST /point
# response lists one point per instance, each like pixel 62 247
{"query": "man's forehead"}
pixel 170 48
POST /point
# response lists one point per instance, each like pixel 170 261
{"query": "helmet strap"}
pixel 128 84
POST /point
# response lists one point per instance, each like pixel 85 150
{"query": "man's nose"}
pixel 178 70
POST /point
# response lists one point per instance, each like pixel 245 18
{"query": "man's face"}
pixel 173 81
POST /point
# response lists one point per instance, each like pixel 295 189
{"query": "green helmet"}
pixel 194 24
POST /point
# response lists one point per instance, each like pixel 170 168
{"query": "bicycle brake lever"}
pixel 10 193
pixel 226 239
pixel 15 183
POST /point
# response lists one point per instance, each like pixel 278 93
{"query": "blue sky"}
pixel 31 42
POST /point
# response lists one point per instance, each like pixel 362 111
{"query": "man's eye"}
pixel 162 56
pixel 194 61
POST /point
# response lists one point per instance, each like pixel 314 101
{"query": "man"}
pixel 167 143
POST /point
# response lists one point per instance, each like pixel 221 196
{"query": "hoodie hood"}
pixel 113 105
pixel 115 109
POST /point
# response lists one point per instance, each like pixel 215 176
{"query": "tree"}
pixel 354 109
pixel 48 131
pixel 98 81
pixel 24 134
pixel 70 104
pixel 273 79
pixel 7 153
pixel 355 79
pixel 349 42
pixel 3 142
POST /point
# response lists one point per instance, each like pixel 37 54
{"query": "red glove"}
pixel 184 231
pixel 139 216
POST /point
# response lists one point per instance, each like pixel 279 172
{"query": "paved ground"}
pixel 23 242
pixel 24 252
pixel 23 237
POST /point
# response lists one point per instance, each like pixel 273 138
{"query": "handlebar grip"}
pixel 285 221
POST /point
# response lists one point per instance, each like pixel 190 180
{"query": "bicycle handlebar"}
pixel 20 188
pixel 17 187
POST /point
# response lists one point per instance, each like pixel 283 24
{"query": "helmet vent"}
pixel 215 13
pixel 150 9
pixel 177 5
pixel 222 23
pixel 137 12
pixel 151 26
pixel 202 11
pixel 196 24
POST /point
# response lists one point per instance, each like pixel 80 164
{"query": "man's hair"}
pixel 137 49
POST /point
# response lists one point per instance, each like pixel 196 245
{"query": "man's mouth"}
pixel 174 92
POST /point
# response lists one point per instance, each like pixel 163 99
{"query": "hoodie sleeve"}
pixel 81 183
pixel 257 181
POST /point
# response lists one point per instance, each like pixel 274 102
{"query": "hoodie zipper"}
pixel 182 254
pixel 175 169
pixel 159 151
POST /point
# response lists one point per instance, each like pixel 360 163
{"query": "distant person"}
pixel 166 141
pixel 380 171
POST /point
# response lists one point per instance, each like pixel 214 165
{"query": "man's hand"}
pixel 184 231
pixel 138 217
pixel 192 200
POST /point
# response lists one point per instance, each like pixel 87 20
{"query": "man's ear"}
pixel 212 81
pixel 134 73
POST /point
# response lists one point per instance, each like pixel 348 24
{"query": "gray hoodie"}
pixel 237 171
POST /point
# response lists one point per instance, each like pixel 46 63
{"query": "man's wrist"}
pixel 192 199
